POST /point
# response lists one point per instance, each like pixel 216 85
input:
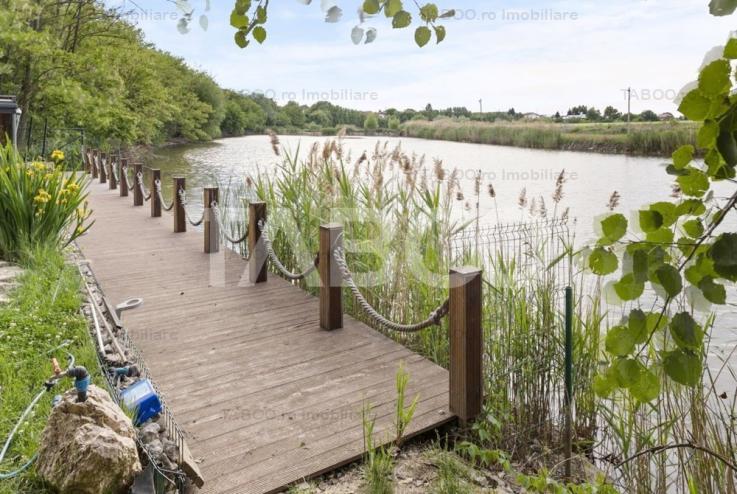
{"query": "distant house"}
pixel 532 116
pixel 666 116
pixel 9 118
pixel 578 116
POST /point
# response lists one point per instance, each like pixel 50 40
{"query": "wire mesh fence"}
pixel 41 140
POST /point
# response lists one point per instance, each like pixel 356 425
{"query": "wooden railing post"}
pixel 180 221
pixel 122 165
pixel 95 155
pixel 103 168
pixel 466 343
pixel 155 203
pixel 257 272
pixel 86 161
pixel 137 194
pixel 331 281
pixel 212 232
pixel 112 182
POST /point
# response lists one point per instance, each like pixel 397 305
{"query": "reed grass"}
pixel 648 139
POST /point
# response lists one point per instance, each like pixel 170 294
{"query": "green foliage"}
pixel 379 464
pixel 39 205
pixel 371 122
pixel 404 414
pixel 697 262
pixel 44 313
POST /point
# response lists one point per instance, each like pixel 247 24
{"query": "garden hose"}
pixel 81 384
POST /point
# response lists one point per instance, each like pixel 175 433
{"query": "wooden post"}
pixel 137 194
pixel 113 182
pixel 103 168
pixel 122 166
pixel 212 232
pixel 155 203
pixel 466 343
pixel 257 272
pixel 331 281
pixel 86 161
pixel 95 154
pixel 180 221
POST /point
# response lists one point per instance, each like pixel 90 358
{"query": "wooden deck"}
pixel 266 398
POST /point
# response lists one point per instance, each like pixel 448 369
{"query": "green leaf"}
pixel 695 184
pixel 683 156
pixel 259 34
pixel 691 207
pixel 422 36
pixel 429 12
pixel 727 146
pixel 724 255
pixel 656 322
pixel 261 15
pixel 700 269
pixel 640 264
pixel 620 341
pixel 613 227
pixel 371 7
pixel 686 332
pixel 683 367
pixel 240 39
pixel 647 386
pixel 722 7
pixel 694 228
pixel 661 236
pixel 392 7
pixel 637 322
pixel 714 78
pixel 238 21
pixel 730 50
pixel 439 33
pixel 603 262
pixel 627 371
pixel 707 135
pixel 667 210
pixel 401 19
pixel 650 221
pixel 604 384
pixel 242 6
pixel 628 288
pixel 695 106
pixel 713 292
pixel 670 279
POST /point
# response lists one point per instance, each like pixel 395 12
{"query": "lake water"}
pixel 590 180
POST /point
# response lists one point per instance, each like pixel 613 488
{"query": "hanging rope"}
pixel 130 183
pixel 157 186
pixel 221 227
pixel 139 178
pixel 183 200
pixel 433 320
pixel 274 259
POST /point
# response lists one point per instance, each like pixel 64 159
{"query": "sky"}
pixel 534 56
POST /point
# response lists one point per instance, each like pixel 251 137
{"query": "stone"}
pixel 90 447
pixel 149 432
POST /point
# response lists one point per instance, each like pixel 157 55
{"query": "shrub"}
pixel 39 204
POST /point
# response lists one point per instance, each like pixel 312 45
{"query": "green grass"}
pixel 644 138
pixel 44 313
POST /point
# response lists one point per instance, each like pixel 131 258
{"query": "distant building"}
pixel 666 116
pixel 532 116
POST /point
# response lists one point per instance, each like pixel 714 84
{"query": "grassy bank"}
pixel 644 138
pixel 43 314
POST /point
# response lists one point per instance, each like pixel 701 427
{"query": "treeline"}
pixel 75 64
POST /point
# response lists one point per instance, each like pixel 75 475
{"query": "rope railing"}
pixel 114 172
pixel 277 262
pixel 129 182
pixel 139 179
pixel 183 200
pixel 433 319
pixel 160 195
pixel 223 230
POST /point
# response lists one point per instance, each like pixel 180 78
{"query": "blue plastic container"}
pixel 142 398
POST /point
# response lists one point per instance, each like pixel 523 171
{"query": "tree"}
pixel 611 114
pixel 593 114
pixel 296 114
pixel 393 123
pixel 371 122
pixel 648 116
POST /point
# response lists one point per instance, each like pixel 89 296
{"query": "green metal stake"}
pixel 569 382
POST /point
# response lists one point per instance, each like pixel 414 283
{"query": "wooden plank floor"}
pixel 265 397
